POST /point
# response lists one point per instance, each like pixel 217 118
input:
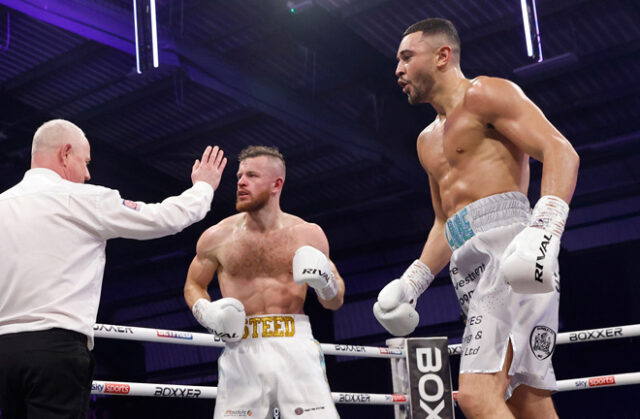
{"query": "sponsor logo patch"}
pixel 581 383
pixel 602 381
pixel 349 348
pixel 390 351
pixel 130 204
pixel 300 411
pixel 354 398
pixel 174 334
pixel 399 398
pixel 110 328
pixel 542 341
pixel 608 333
pixel 182 392
pixel 238 413
pixel 543 253
pixel 116 388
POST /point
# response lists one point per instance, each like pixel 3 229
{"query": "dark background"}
pixel 320 85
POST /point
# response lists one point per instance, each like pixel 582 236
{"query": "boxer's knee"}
pixel 472 401
pixel 528 402
pixel 482 395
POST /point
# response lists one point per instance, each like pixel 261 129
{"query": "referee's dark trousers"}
pixel 45 375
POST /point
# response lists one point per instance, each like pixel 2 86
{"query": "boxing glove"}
pixel 223 318
pixel 311 266
pixel 530 261
pixel 395 308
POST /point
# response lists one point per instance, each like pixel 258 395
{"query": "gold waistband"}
pixel 277 326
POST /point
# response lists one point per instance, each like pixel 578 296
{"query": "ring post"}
pixel 399 378
pixel 429 375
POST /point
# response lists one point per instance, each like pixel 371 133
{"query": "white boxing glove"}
pixel 530 261
pixel 311 266
pixel 395 308
pixel 223 318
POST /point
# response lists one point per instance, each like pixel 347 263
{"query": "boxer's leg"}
pixel 303 388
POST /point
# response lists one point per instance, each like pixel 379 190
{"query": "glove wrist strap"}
pixel 550 214
pixel 418 276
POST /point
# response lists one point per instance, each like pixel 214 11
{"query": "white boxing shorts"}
pixel 478 234
pixel 277 370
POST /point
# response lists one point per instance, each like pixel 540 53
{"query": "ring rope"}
pixel 605 333
pixel 117 388
pixel 207 392
pixel 205 339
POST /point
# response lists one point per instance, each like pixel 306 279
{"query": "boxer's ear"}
pixel 63 154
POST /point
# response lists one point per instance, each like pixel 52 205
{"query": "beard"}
pixel 413 99
pixel 416 97
pixel 420 91
pixel 255 204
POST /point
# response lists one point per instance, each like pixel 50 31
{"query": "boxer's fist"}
pixel 530 261
pixel 395 308
pixel 224 318
pixel 311 266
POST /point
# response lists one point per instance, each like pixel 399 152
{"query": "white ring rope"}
pixel 605 333
pixel 117 388
pixel 204 339
pixel 206 392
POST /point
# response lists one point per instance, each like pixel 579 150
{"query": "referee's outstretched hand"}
pixel 210 168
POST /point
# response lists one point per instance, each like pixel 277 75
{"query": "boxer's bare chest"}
pixel 452 142
pixel 258 255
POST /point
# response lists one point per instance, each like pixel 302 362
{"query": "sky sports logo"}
pixel 116 388
pixel 396 398
pixel 602 381
pixel 110 388
pixel 172 334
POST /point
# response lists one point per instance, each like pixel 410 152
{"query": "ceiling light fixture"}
pixel 531 30
pixel 146 34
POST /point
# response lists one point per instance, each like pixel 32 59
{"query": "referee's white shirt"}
pixel 52 246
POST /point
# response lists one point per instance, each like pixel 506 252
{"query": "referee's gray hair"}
pixel 52 133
